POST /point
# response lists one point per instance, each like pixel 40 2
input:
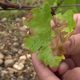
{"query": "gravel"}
pixel 15 60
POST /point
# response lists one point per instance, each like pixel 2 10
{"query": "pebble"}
pixel 23 46
pixel 18 66
pixel 2 47
pixel 1 56
pixel 4 72
pixel 23 18
pixel 8 57
pixel 1 61
pixel 9 62
pixel 4 19
pixel 15 50
pixel 11 70
pixel 22 57
pixel 16 44
pixel 22 29
pixel 26 27
pixel 28 32
pixel 20 51
pixel 28 56
pixel 15 39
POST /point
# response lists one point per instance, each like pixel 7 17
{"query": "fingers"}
pixel 77 20
pixel 72 46
pixel 63 68
pixel 73 74
pixel 43 72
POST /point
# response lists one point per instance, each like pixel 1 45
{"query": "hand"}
pixel 45 74
pixel 42 71
pixel 72 47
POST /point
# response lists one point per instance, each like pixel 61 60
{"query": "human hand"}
pixel 45 73
pixel 72 47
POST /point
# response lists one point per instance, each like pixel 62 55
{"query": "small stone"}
pixel 14 50
pixel 28 56
pixel 4 19
pixel 15 39
pixel 17 19
pixel 20 51
pixel 28 32
pixel 23 46
pixel 1 61
pixel 18 66
pixel 2 46
pixel 1 56
pixel 23 18
pixel 22 57
pixel 8 57
pixel 15 44
pixel 11 70
pixel 9 62
pixel 26 27
pixel 3 72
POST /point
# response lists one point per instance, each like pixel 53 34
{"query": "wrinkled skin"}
pixel 70 68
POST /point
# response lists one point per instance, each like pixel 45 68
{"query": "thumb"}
pixel 72 46
pixel 73 74
pixel 42 71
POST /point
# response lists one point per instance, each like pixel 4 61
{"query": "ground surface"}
pixel 15 60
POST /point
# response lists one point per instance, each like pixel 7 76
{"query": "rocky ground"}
pixel 15 60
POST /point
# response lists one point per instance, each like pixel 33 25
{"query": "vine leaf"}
pixel 41 37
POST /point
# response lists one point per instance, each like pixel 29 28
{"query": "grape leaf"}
pixel 41 37
pixel 49 59
pixel 68 17
pixel 40 41
pixel 42 30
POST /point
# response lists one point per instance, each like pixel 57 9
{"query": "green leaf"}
pixel 48 58
pixel 68 17
pixel 42 30
pixel 42 36
pixel 40 41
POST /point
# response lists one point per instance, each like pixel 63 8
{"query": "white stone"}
pixel 22 57
pixel 1 56
pixel 18 66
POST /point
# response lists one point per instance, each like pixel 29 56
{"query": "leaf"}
pixel 40 41
pixel 48 58
pixel 42 30
pixel 68 17
pixel 41 38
